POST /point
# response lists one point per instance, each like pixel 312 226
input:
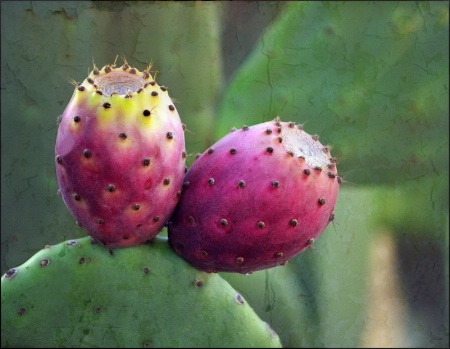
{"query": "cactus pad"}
pixel 80 294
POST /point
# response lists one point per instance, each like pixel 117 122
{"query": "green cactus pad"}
pixel 80 294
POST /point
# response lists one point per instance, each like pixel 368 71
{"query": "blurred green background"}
pixel 371 78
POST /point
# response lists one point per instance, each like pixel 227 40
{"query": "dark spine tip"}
pixel 269 150
pixel 233 151
pixel 169 135
pixel 211 181
pixel 76 197
pixel 89 80
pixel 210 150
pixel 81 88
pixel 331 174
pixel 241 184
pixel 275 184
pixel 123 135
pixel 223 222
pixel 107 69
pixel 245 128
pixel 132 71
pixel 171 107
pixel 163 88
pixel 11 273
pixel 111 188
pixel 59 159
pixel 100 221
pixel 76 118
pixel 44 262
pixel 136 207
pixel 318 168
pixel 322 201
pixel 146 162
pixel 307 171
pixel 106 105
pixel 269 131
pixel 154 93
pixel 261 224
pixel 239 260
pixel 166 181
pixel 146 112
pixel 331 217
pixel 315 137
pixel 87 153
pixel 293 222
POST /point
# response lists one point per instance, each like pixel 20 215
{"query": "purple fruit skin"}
pixel 249 203
pixel 120 160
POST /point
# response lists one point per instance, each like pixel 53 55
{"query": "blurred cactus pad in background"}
pixel 371 78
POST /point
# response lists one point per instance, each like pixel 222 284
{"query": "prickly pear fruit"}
pixel 255 199
pixel 76 294
pixel 120 155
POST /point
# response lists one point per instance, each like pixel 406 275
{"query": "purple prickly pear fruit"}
pixel 120 155
pixel 255 199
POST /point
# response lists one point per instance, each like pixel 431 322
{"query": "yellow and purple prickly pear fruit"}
pixel 255 199
pixel 120 155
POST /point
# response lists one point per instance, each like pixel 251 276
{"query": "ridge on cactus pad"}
pixel 76 294
pixel 120 155
pixel 256 198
